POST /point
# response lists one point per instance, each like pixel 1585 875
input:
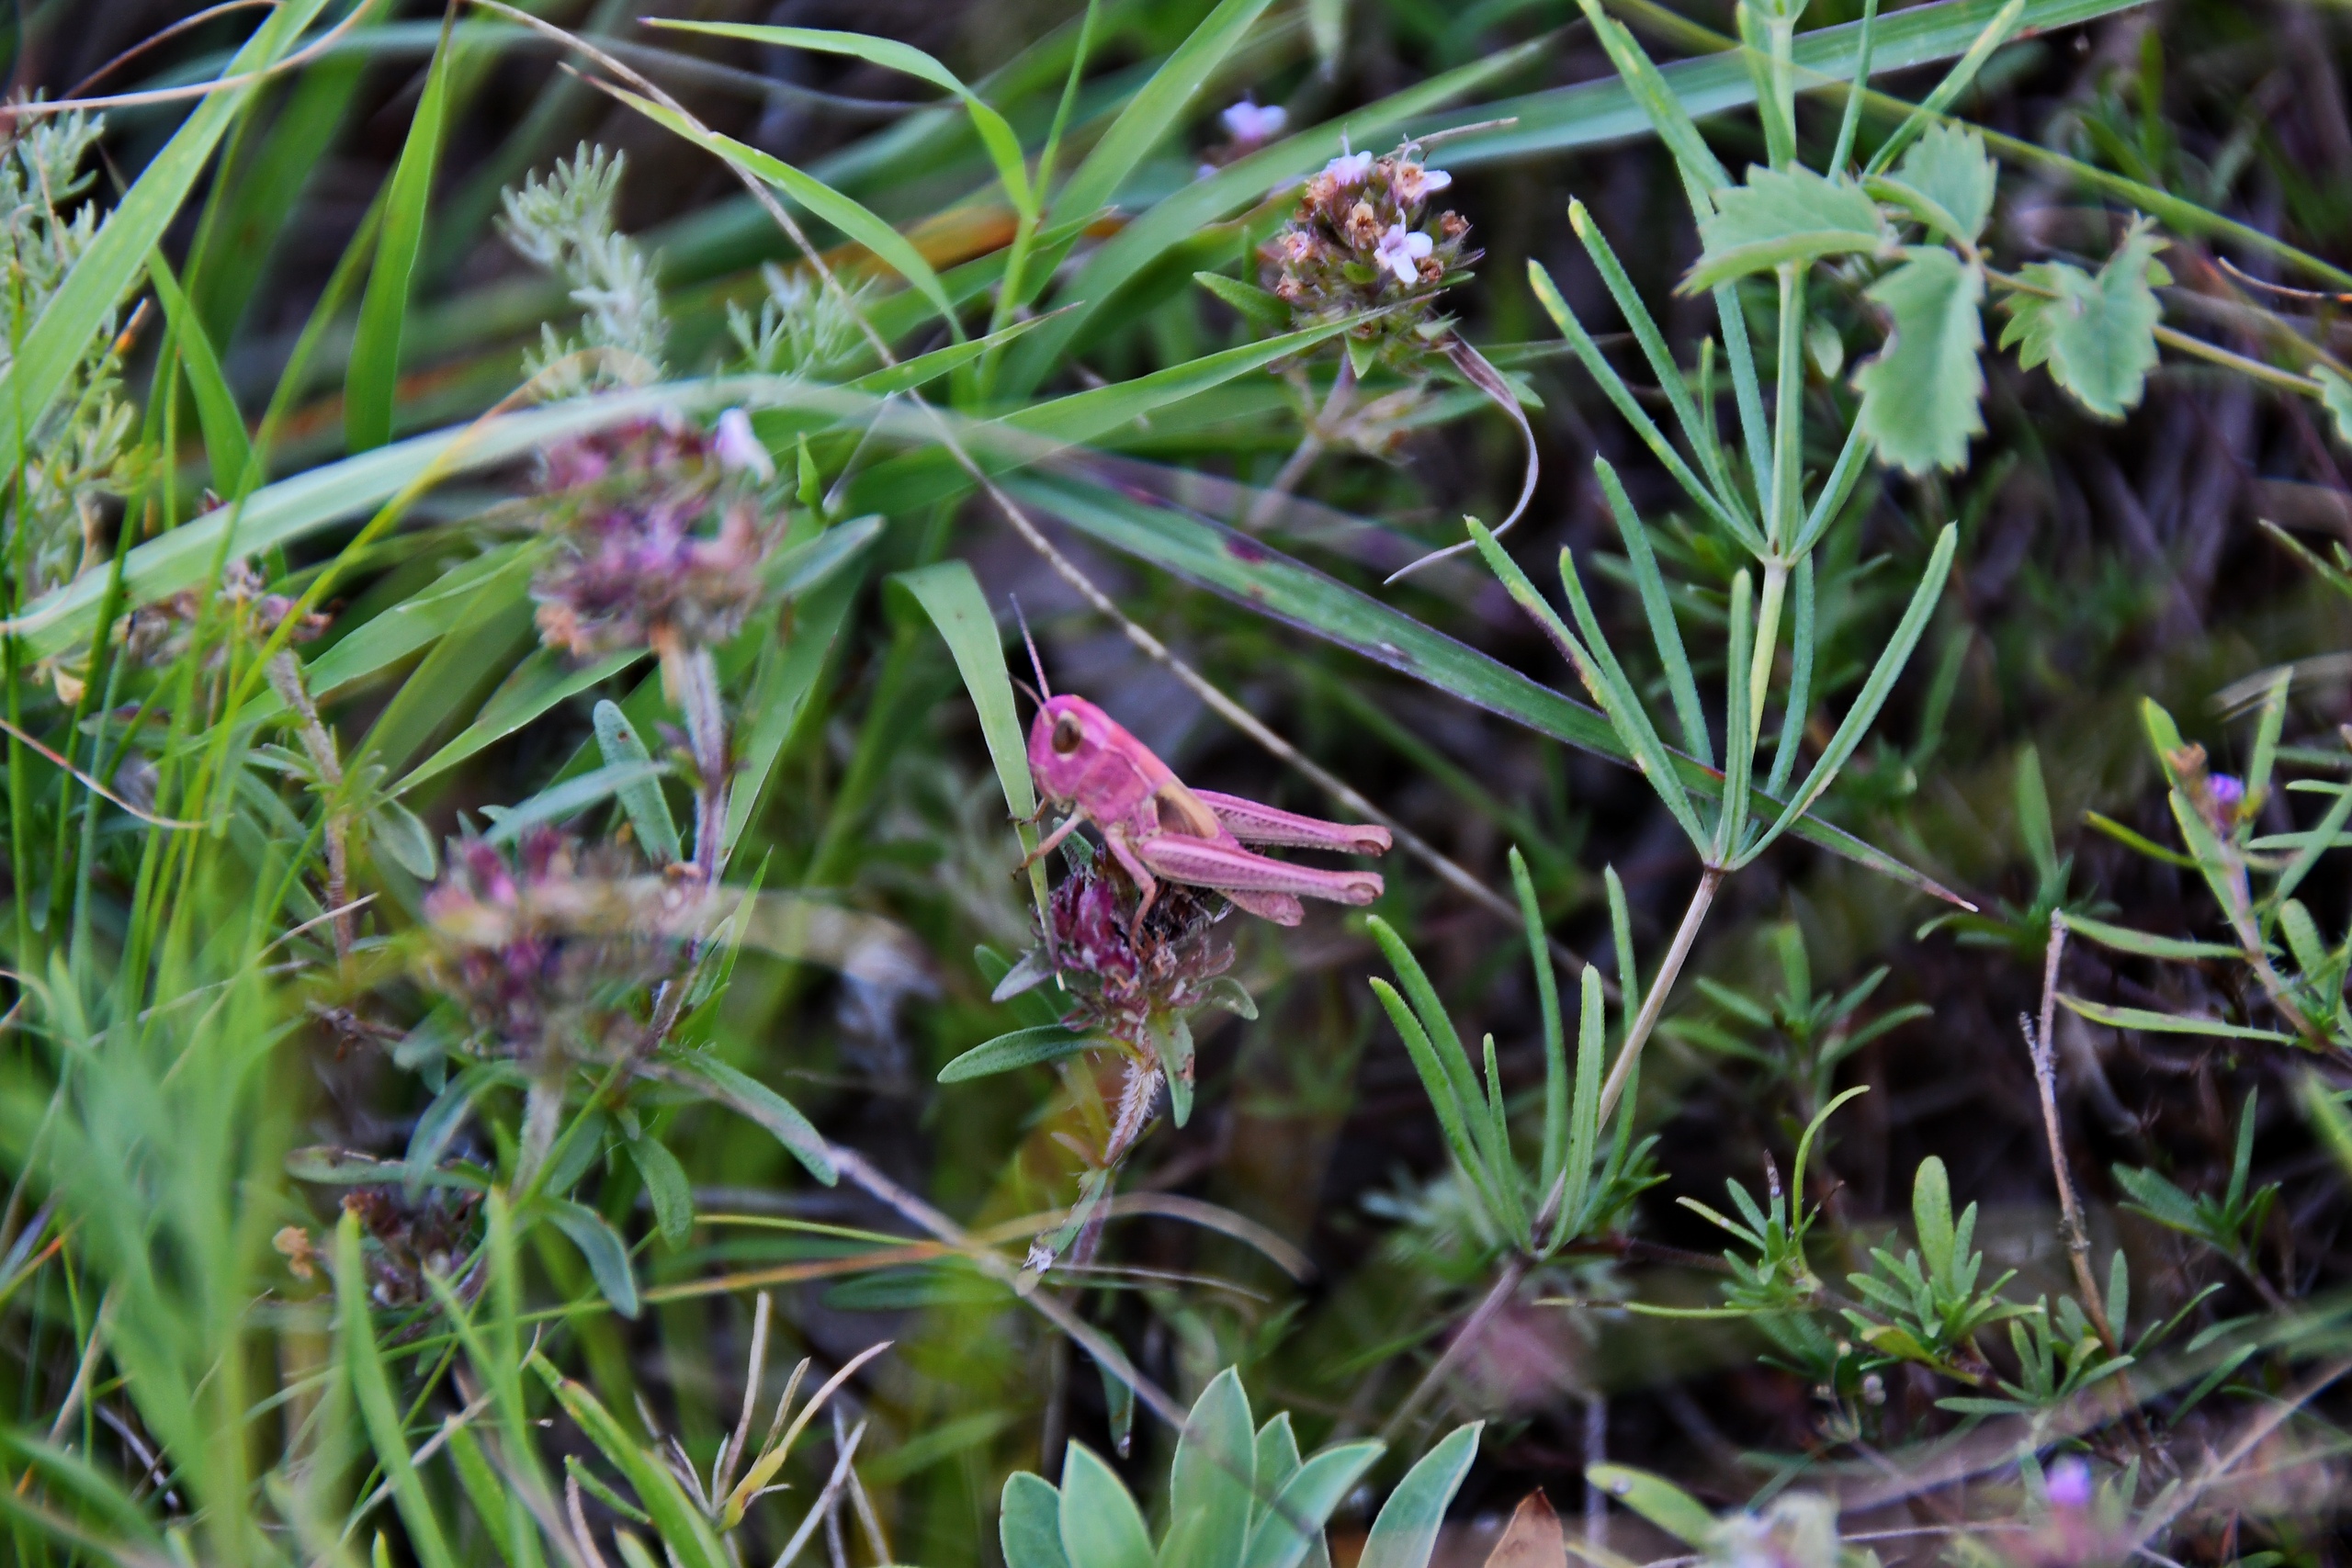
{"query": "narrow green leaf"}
pixel 1292 1525
pixel 54 345
pixel 1656 1499
pixel 666 1187
pixel 1263 308
pixel 1555 1051
pixel 1873 696
pixel 1022 1048
pixel 683 1529
pixel 544 679
pixel 1666 632
pixel 850 217
pixel 372 1389
pixel 1156 110
pixel 1404 1533
pixel 570 797
pixel 997 136
pixel 1921 392
pixel 780 694
pixel 1931 1215
pixel 226 446
pixel 2124 939
pixel 2033 815
pixel 371 380
pixel 642 797
pixel 607 1255
pixel 2169 1023
pixel 749 1097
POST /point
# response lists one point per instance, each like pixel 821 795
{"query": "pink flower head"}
pixel 2070 1484
pixel 1350 168
pixel 1401 249
pixel 1414 184
pixel 1252 125
pixel 738 450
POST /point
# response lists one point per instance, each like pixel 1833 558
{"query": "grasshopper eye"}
pixel 1067 733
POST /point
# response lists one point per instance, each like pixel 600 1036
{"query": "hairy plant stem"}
pixel 1654 1001
pixel 2040 1041
pixel 1506 1286
pixel 318 743
pixel 691 680
pixel 1311 443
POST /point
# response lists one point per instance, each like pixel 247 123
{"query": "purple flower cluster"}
pixel 1123 977
pixel 1362 238
pixel 547 950
pixel 662 532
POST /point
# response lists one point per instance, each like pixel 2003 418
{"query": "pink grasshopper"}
pixel 1158 828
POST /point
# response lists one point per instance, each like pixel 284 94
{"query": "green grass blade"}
pixel 110 267
pixel 226 446
pixel 1156 110
pixel 1739 734
pixel 372 1390
pixel 372 381
pixel 1614 691
pixel 852 217
pixel 1864 710
pixel 780 696
pixel 1665 631
pixel 683 1529
pixel 1548 996
pixel 995 135
pixel 649 813
pixel 951 595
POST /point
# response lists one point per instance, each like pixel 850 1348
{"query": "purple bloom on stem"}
pixel 2070 1484
pixel 740 451
pixel 2229 792
pixel 1401 249
pixel 1251 124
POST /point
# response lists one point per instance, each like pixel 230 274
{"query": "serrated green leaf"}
pixel 1921 392
pixel 1947 178
pixel 1791 215
pixel 2097 335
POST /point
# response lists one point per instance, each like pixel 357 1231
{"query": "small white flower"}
pixel 1251 124
pixel 1350 168
pixel 1401 248
pixel 1435 180
pixel 739 450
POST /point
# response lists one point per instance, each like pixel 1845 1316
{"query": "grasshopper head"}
pixel 1066 738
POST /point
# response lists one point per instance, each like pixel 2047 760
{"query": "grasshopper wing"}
pixel 1255 824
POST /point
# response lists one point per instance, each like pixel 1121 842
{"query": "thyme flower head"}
pixel 546 949
pixel 1127 978
pixel 1362 238
pixel 662 532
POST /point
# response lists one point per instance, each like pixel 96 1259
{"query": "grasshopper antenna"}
pixel 1045 689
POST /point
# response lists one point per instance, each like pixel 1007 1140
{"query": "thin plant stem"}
pixel 2045 1074
pixel 1505 1287
pixel 1311 443
pixel 286 678
pixel 1654 1002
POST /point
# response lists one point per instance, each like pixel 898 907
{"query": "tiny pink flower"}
pixel 2070 1484
pixel 739 451
pixel 1252 125
pixel 1350 168
pixel 1400 249
pixel 1414 184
